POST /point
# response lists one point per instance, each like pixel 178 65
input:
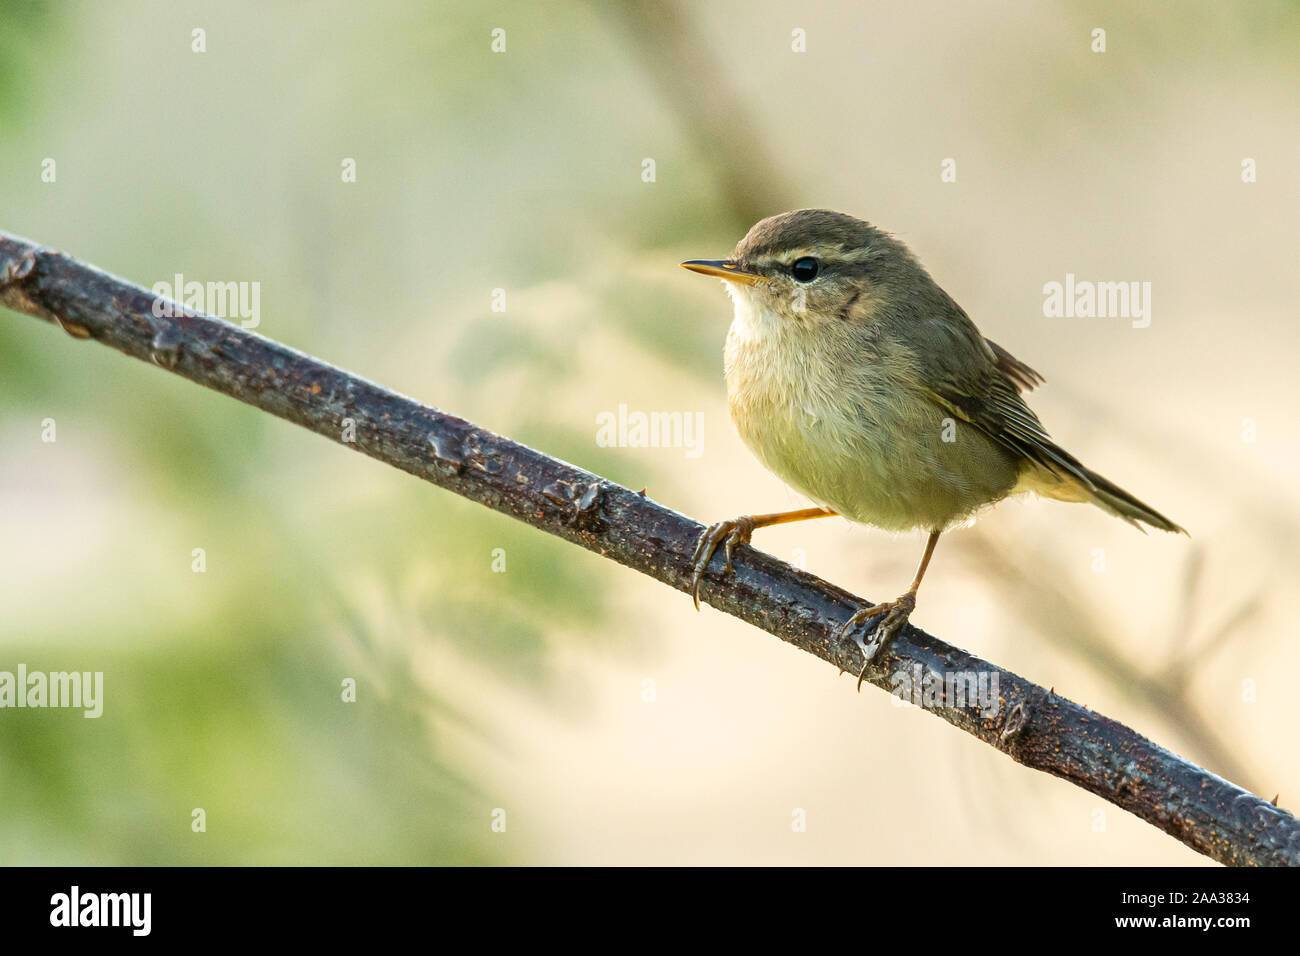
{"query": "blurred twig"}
pixel 1073 624
pixel 1030 724
pixel 683 67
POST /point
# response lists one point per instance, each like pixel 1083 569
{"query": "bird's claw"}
pixel 728 533
pixel 895 614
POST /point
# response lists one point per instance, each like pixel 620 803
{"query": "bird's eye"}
pixel 805 269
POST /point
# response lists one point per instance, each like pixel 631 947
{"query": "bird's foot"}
pixel 727 533
pixel 893 615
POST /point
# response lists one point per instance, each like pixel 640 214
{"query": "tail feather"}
pixel 1105 494
pixel 1111 497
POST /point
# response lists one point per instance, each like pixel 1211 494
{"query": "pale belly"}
pixel 860 441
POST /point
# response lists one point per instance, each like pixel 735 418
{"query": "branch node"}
pixel 444 460
pixel 1016 720
pixel 165 350
pixel 585 499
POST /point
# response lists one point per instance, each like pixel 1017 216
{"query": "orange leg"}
pixel 736 530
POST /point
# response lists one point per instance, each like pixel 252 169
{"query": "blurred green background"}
pixel 596 708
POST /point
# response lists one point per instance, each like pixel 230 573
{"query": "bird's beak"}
pixel 723 269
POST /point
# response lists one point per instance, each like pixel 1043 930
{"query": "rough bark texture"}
pixel 1032 725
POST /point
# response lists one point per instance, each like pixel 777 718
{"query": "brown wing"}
pixel 1010 366
pixel 996 408
pixel 979 382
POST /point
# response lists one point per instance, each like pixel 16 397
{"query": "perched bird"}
pixel 863 385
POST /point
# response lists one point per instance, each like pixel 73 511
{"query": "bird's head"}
pixel 812 266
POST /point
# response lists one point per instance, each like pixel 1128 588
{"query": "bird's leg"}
pixel 732 532
pixel 895 612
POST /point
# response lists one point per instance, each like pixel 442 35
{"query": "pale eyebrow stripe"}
pixel 852 256
pixel 786 258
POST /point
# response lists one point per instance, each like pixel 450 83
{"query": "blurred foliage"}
pixel 230 700
pixel 27 25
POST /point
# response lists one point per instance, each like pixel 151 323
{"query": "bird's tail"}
pixel 1084 484
pixel 1111 497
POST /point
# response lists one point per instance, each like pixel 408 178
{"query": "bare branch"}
pixel 1031 724
pixel 1070 623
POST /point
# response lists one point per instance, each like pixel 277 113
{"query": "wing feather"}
pixel 1024 377
pixel 980 382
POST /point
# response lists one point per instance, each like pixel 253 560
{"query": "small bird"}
pixel 862 384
